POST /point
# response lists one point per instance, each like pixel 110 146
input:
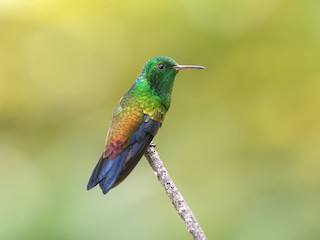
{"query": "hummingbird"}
pixel 135 121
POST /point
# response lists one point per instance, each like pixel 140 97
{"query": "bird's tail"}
pixel 107 171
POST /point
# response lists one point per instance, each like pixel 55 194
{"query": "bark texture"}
pixel 173 193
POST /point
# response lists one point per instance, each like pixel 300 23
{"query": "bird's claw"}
pixel 152 145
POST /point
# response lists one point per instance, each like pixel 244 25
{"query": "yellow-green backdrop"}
pixel 241 140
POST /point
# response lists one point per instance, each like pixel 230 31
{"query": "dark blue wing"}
pixel 110 172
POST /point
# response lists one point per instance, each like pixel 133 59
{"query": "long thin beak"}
pixel 181 67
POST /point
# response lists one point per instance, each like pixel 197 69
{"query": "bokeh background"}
pixel 241 139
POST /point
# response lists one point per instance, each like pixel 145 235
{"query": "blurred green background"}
pixel 241 139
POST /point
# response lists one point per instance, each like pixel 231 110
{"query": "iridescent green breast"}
pixel 148 100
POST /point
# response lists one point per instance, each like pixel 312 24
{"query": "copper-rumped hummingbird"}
pixel 135 121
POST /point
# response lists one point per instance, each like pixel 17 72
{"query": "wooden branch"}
pixel 173 193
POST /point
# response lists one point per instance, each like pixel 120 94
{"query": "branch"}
pixel 173 193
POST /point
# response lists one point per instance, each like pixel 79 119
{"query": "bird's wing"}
pixel 140 140
pixel 122 153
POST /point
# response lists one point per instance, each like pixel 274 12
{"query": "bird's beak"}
pixel 181 67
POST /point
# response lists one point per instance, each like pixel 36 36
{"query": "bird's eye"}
pixel 161 66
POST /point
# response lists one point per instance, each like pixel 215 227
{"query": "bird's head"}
pixel 161 71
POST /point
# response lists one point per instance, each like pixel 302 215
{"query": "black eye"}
pixel 161 66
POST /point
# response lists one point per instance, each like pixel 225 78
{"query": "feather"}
pixel 110 172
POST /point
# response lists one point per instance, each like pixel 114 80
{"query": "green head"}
pixel 160 73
